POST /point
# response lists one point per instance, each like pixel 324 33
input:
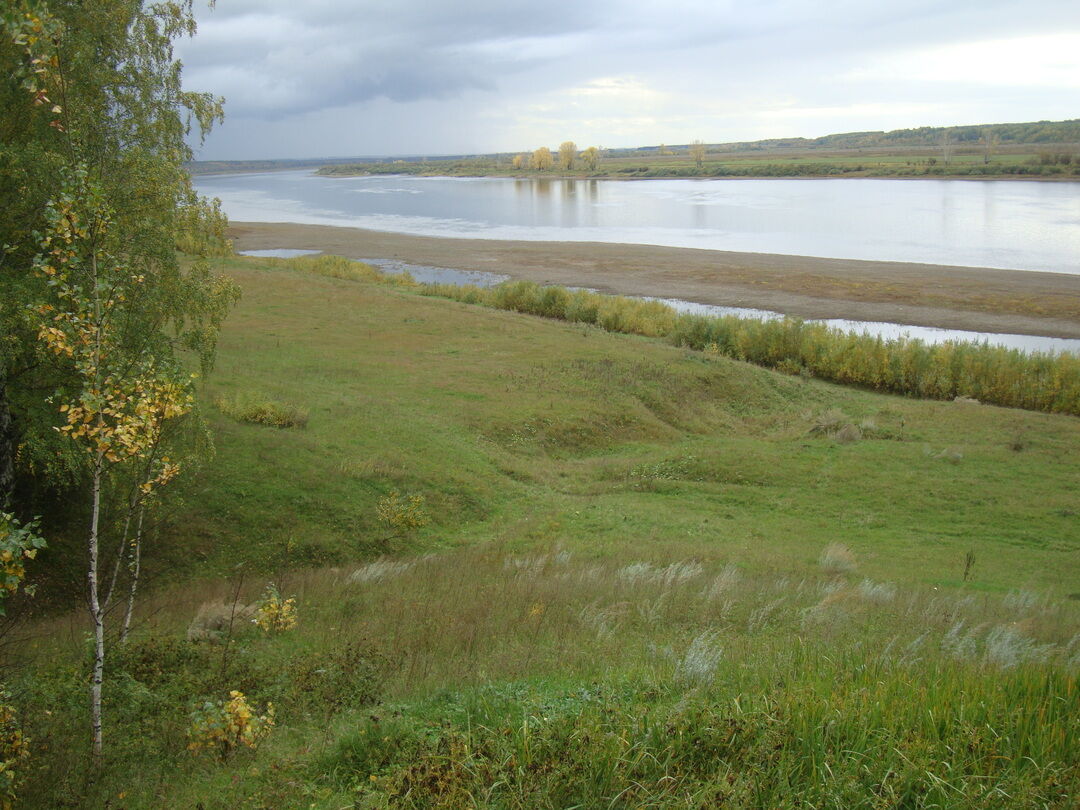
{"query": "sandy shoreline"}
pixel 975 299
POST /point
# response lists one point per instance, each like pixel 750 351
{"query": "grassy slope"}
pixel 512 665
pixel 519 429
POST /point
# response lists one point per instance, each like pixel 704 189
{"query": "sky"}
pixel 326 78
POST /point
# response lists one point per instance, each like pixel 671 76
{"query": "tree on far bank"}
pixel 520 161
pixel 591 158
pixel 697 152
pixel 541 159
pixel 567 153
pixel 989 140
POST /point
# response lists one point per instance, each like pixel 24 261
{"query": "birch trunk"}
pixel 96 613
pixel 135 564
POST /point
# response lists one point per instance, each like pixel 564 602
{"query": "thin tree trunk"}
pixel 137 556
pixel 96 611
pixel 121 552
pixel 7 449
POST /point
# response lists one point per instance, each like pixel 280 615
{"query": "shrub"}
pixel 261 411
pixel 274 614
pixel 347 677
pixel 225 726
pixel 14 751
pixel 402 514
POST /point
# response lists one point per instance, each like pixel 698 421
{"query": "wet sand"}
pixel 974 299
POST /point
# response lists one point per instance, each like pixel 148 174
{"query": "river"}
pixel 1017 225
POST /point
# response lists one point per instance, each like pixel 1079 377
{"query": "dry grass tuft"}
pixel 847 434
pixel 217 619
pixel 837 559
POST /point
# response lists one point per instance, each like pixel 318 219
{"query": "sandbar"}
pixel 969 298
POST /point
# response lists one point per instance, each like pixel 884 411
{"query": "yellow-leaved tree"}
pixel 591 158
pixel 541 159
pixel 567 153
pixel 100 122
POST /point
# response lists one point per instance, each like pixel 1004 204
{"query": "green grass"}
pixel 520 428
pixel 949 370
pixel 599 504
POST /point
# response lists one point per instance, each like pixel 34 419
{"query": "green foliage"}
pixel 338 678
pixel 602 501
pixel 91 167
pixel 14 752
pixel 258 410
pixel 225 726
pixel 846 742
pixel 402 514
pixel 18 542
pixel 1010 377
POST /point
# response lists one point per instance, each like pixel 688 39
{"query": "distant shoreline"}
pixel 1040 178
pixel 624 178
pixel 971 299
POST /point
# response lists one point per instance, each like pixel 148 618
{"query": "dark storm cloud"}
pixel 284 58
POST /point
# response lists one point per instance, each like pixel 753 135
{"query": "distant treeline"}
pixel 1035 132
pixel 1049 165
pixel 1036 168
pixel 991 374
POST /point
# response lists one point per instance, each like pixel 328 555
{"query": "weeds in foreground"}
pixel 545 679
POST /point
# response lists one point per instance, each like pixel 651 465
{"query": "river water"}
pixel 1018 225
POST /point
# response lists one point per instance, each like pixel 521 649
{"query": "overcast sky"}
pixel 321 78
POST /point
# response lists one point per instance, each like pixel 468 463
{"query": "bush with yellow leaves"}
pixel 402 514
pixel 274 614
pixel 14 749
pixel 225 726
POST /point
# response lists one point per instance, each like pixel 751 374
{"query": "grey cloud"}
pixel 277 58
pixel 282 61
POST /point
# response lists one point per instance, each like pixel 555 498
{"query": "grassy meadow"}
pixel 632 574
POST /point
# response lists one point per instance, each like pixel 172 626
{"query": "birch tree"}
pixel 95 123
